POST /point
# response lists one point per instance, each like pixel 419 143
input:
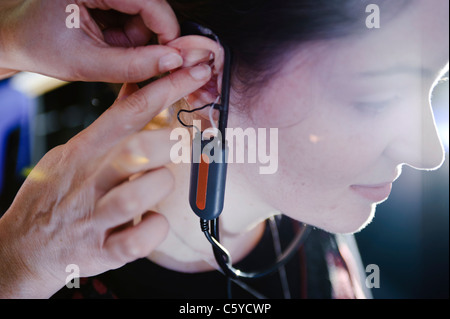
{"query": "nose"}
pixel 417 143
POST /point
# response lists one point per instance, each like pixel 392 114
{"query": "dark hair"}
pixel 260 32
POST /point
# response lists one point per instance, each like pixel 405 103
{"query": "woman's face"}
pixel 350 113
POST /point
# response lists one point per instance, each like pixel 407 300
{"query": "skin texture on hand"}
pixel 78 203
pixel 109 46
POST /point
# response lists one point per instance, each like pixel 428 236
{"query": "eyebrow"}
pixel 398 70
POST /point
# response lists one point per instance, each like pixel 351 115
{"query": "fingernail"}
pixel 126 90
pixel 201 72
pixel 122 95
pixel 169 62
pixel 194 57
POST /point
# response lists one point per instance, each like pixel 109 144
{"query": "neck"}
pixel 241 224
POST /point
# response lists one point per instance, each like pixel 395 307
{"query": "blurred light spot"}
pixel 314 139
pixel 130 163
pixel 34 174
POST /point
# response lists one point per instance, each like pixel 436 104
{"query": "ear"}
pixel 195 50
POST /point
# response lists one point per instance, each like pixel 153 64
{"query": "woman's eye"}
pixel 376 106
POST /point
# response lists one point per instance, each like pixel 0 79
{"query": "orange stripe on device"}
pixel 202 181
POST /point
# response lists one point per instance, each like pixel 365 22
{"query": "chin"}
pixel 355 222
pixel 346 220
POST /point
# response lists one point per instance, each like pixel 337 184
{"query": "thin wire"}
pixel 277 247
pixel 213 263
pixel 191 111
pixel 224 259
pixel 211 119
pixel 229 290
pixel 212 106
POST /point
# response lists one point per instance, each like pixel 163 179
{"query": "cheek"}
pixel 323 149
pixel 286 101
pixel 311 198
pixel 315 170
pixel 324 154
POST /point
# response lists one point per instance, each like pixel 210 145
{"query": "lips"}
pixel 375 193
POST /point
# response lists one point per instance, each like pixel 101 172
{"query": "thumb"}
pixel 119 65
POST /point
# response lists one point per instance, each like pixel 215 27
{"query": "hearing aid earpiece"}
pixel 209 155
pixel 208 176
pixel 209 170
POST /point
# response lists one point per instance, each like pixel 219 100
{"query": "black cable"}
pixel 229 291
pixel 216 106
pixel 223 257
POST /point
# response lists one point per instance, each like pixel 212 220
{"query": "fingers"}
pixel 157 15
pixel 137 241
pixel 119 65
pixel 119 53
pixel 126 90
pixel 195 48
pixel 127 200
pixel 134 33
pixel 133 113
pixel 140 152
pixel 115 28
pixel 137 32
